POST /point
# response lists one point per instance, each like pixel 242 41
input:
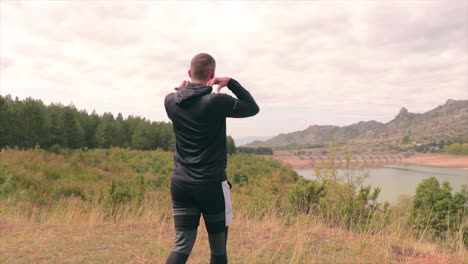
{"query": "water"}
pixel 398 180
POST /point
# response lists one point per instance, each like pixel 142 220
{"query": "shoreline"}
pixel 420 159
pixel 438 160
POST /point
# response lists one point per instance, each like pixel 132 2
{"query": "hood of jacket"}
pixel 191 91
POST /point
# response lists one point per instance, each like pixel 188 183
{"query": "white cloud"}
pixel 307 62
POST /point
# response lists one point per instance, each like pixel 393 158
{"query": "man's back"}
pixel 200 132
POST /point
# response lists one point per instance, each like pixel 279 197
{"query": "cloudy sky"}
pixel 307 62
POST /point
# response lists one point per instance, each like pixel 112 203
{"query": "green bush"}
pixel 56 149
pixel 437 213
pixel 465 148
pixel 352 208
pixel 305 195
pixel 119 193
pixel 457 149
pixel 239 178
pixel 7 183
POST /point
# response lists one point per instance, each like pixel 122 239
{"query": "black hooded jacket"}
pixel 199 120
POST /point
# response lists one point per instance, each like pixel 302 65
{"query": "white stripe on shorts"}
pixel 227 202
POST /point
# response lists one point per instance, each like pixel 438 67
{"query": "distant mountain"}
pixel 448 121
pixel 246 140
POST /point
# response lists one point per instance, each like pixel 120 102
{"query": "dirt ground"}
pixel 438 160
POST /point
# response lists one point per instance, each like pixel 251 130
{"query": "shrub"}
pixel 348 207
pixel 305 195
pixel 457 149
pixel 465 149
pixel 7 183
pixel 435 212
pixel 119 193
pixel 56 149
pixel 239 178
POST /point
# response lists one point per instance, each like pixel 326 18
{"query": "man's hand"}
pixel 183 84
pixel 220 81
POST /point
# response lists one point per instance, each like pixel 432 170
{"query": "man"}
pixel 199 184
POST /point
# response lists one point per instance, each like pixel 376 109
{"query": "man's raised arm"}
pixel 243 106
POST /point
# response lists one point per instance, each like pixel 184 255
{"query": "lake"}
pixel 397 180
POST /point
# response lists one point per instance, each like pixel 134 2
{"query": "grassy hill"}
pixel 113 206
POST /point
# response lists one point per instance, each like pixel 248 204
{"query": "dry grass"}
pixel 77 233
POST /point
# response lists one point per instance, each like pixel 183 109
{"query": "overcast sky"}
pixel 306 63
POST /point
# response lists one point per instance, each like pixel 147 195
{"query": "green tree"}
pixel 105 134
pixel 141 138
pixel 230 145
pixel 435 211
pixel 120 138
pixel 465 149
pixel 90 124
pixel 33 123
pixel 56 126
pixel 5 122
pixel 73 131
pixel 167 137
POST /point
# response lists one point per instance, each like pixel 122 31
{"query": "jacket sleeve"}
pixel 166 105
pixel 242 106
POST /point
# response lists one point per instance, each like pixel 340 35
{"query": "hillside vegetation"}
pixel 113 206
pixel 457 149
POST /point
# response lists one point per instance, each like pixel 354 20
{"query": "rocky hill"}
pixel 445 122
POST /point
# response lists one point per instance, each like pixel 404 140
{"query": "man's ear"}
pixel 212 74
pixel 189 73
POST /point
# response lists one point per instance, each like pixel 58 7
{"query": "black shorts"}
pixel 190 200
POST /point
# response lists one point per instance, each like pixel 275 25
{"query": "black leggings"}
pixel 189 202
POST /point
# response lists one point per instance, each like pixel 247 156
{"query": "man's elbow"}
pixel 246 110
pixel 254 110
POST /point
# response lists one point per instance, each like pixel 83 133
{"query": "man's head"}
pixel 202 67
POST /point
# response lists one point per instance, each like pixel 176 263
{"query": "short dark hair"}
pixel 201 66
